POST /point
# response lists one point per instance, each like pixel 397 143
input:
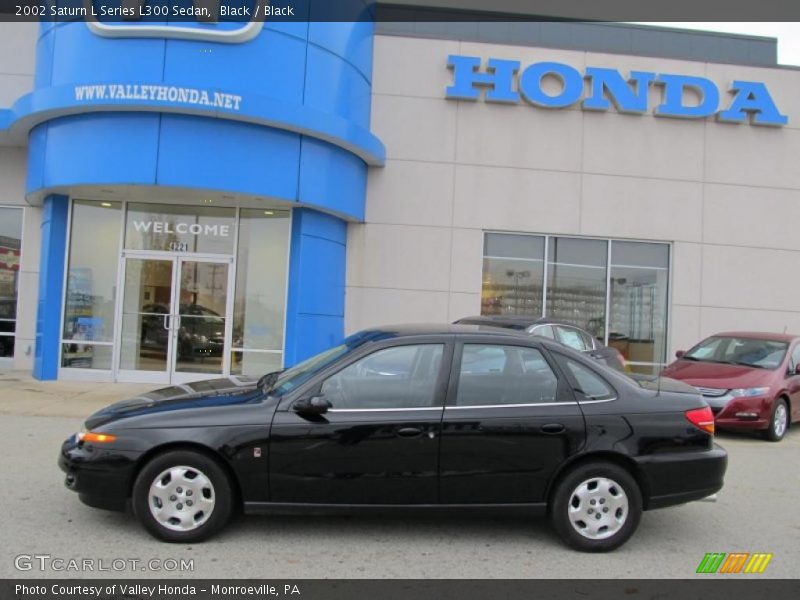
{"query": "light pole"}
pixel 517 275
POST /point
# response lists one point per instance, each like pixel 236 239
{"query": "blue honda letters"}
pixel 504 82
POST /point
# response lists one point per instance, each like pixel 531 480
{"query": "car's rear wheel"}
pixel 596 507
pixel 779 421
pixel 182 496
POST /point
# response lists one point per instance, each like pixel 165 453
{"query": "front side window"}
pixel 398 377
pixel 795 360
pixel 492 374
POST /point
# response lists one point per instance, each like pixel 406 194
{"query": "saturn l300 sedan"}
pixel 411 417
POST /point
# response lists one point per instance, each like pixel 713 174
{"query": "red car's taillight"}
pixel 702 418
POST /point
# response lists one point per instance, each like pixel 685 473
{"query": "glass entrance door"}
pixel 174 322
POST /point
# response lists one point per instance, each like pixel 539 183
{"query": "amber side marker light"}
pixel 90 437
pixel 702 418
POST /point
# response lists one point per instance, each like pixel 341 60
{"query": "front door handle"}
pixel 409 432
pixel 552 428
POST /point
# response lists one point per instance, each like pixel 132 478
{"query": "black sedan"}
pixel 560 331
pixel 410 417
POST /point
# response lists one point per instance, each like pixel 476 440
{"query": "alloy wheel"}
pixel 780 420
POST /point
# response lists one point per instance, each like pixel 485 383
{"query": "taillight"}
pixel 621 360
pixel 702 418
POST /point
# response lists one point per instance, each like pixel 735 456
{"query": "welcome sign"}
pixel 504 81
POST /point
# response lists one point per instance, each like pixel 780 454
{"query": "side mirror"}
pixel 318 405
pixel 796 370
pixel 680 353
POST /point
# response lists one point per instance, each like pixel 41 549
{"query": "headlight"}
pixel 749 392
pixel 91 437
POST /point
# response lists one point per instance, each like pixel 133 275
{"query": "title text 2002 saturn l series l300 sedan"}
pixel 411 417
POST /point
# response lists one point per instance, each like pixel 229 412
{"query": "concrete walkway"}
pixel 21 394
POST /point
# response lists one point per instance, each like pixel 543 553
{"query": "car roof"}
pixel 759 335
pixel 415 329
pixel 518 320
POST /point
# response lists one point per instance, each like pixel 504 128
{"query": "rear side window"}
pixel 590 384
pixel 545 331
pixel 573 338
pixel 501 375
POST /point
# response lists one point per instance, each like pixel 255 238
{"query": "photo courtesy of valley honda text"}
pixel 206 210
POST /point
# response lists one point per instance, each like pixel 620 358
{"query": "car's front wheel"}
pixel 779 422
pixel 182 496
pixel 596 507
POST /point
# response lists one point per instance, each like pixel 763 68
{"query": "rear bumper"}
pixel 677 478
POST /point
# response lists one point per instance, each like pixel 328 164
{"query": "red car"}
pixel 750 380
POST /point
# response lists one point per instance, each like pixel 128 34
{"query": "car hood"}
pixel 717 375
pixel 200 394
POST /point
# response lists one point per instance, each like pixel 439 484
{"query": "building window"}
pixel 10 248
pixel 260 299
pixel 88 337
pixel 617 290
pixel 513 267
pixel 202 290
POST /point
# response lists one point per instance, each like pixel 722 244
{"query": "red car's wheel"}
pixel 779 421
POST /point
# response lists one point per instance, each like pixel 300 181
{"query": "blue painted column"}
pixel 51 287
pixel 315 305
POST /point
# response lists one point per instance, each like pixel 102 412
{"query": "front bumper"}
pixel 740 413
pixel 680 477
pixel 102 477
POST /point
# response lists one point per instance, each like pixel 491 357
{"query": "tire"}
pixel 778 425
pixel 616 495
pixel 184 519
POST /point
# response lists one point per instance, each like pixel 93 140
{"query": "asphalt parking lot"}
pixel 756 512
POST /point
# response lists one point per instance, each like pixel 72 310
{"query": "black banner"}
pixel 710 587
pixel 243 11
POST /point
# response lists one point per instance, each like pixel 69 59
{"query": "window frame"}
pixel 455 374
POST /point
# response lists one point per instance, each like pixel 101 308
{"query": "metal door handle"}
pixel 166 325
pixel 552 428
pixel 409 432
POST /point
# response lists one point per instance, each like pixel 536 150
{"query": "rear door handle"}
pixel 552 428
pixel 409 432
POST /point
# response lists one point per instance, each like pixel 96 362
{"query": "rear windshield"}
pixel 749 352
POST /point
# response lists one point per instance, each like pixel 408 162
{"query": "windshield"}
pixel 750 352
pixel 302 372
